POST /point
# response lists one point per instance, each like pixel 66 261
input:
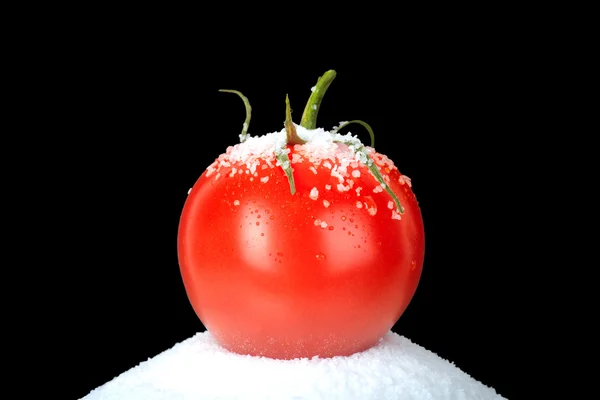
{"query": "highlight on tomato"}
pixel 300 243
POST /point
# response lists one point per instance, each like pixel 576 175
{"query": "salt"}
pixel 198 368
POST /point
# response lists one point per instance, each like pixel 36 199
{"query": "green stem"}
pixel 290 128
pixel 291 138
pixel 356 121
pixel 284 160
pixel 244 133
pixel 309 117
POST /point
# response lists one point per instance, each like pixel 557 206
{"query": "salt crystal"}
pixel 198 368
pixel 326 203
pixel 314 193
pixel 323 224
pixel 391 205
pixel 313 169
pixel 359 204
pixel 327 187
pixel 314 107
pixel 395 215
pixel 236 203
pixel 405 180
pixel 356 173
pixel 264 179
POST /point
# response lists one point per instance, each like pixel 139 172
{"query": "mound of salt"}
pixel 198 368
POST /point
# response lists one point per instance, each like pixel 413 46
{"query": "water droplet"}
pixel 344 228
pixel 256 210
pixel 343 217
pixel 351 219
pixel 356 226
pixel 359 246
pixel 251 212
pixel 330 228
pixel 413 265
pixel 272 217
pixel 349 233
pixel 258 216
pixel 257 223
pixel 262 234
pixel 280 254
pixel 320 257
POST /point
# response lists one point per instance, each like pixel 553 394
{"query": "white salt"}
pixel 199 369
pixel 404 180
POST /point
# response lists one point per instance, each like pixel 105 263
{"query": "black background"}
pixel 147 119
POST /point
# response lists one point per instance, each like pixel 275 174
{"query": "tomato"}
pixel 325 271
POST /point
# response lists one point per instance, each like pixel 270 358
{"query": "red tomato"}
pixel 326 271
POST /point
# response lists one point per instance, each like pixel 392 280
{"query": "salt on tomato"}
pixel 325 271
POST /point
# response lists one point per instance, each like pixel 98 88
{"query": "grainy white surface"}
pixel 198 368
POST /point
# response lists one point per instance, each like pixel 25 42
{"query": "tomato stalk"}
pixel 246 124
pixel 290 129
pixel 356 121
pixel 309 117
pixel 291 138
pixel 309 121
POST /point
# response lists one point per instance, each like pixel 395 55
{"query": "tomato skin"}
pixel 287 276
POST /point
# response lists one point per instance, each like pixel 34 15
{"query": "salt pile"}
pixel 198 368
